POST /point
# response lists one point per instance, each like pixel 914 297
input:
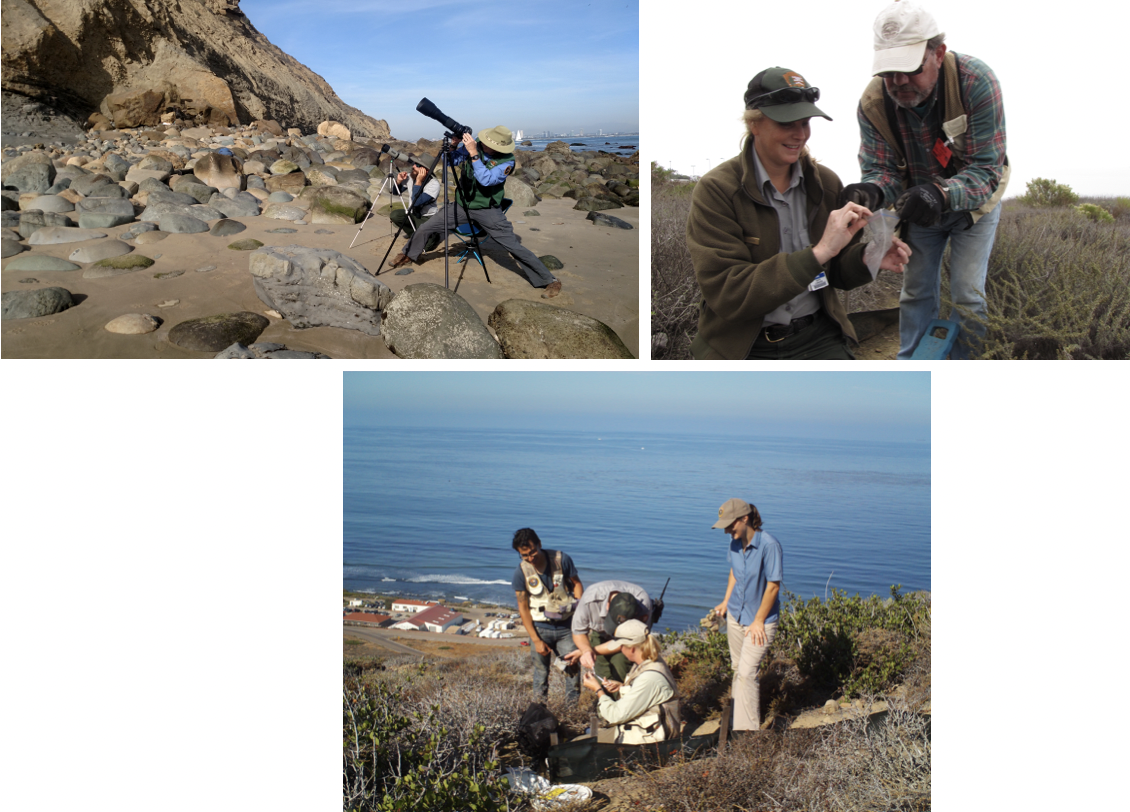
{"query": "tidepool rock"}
pixel 241 205
pixel 314 287
pixel 430 321
pixel 226 228
pixel 103 249
pixel 292 183
pixel 30 177
pixel 334 205
pixel 104 212
pixel 250 244
pixel 9 248
pixel 588 203
pixel 220 171
pixel 150 237
pixel 59 235
pixel 40 262
pixel 283 211
pixel 266 350
pixel 528 329
pixel 52 203
pixel 31 304
pixel 116 266
pixel 520 192
pixel 181 224
pixel 30 222
pixel 134 324
pixel 214 333
pixel 607 220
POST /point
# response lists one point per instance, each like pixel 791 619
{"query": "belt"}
pixel 779 332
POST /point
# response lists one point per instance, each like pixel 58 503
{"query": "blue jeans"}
pixel 922 280
pixel 560 640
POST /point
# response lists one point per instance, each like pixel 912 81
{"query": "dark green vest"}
pixel 477 195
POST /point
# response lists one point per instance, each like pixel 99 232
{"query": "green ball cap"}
pixel 783 95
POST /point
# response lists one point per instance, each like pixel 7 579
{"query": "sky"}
pixel 880 406
pixel 532 66
pixel 1060 72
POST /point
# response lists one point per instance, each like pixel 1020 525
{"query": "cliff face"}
pixel 151 57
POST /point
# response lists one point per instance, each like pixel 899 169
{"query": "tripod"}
pixel 445 150
pixel 389 181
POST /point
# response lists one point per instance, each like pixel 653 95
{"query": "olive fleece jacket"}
pixel 734 241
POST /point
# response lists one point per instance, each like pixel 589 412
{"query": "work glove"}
pixel 922 205
pixel 867 195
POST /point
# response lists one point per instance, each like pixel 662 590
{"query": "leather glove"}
pixel 867 195
pixel 922 205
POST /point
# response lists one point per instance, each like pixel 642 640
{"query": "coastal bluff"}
pixel 111 64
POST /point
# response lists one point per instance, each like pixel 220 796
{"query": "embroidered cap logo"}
pixel 793 79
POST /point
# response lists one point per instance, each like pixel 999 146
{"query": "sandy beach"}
pixel 600 279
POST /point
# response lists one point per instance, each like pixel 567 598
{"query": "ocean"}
pixel 430 513
pixel 616 144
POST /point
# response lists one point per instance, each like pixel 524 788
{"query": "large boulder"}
pixel 429 321
pixel 219 171
pixel 31 304
pixel 292 183
pixel 528 329
pixel 214 333
pixel 315 287
pixel 334 205
pixel 104 212
pixel 521 193
pixel 334 129
pixel 31 177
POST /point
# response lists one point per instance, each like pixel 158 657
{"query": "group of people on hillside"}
pixel 773 234
pixel 603 632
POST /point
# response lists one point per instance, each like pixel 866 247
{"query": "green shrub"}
pixel 1045 193
pixel 1096 213
pixel 857 645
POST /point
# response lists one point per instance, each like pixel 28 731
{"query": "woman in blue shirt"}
pixel 752 603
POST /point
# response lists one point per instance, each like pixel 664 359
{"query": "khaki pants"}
pixel 746 657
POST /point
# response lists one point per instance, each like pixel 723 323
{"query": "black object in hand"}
pixel 867 195
pixel 922 205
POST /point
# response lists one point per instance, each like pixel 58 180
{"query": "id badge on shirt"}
pixel 821 281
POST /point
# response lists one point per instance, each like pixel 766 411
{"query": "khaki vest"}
pixel 659 723
pixel 955 122
pixel 559 602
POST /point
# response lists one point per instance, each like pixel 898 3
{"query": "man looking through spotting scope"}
pixel 548 587
pixel 487 162
pixel 425 192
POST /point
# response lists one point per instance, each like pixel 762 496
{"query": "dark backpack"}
pixel 534 729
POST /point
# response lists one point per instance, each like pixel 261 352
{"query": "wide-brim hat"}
pixel 901 32
pixel 731 511
pixel 759 96
pixel 498 138
pixel 621 608
pixel 631 633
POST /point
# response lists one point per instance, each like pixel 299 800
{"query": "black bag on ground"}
pixel 534 729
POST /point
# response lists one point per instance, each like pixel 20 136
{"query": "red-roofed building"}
pixel 367 618
pixel 435 618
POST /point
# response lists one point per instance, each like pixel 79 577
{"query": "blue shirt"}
pixel 485 176
pixel 753 568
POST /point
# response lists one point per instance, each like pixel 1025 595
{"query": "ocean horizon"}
pixel 430 513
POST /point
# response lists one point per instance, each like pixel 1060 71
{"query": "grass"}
pixel 430 735
pixel 1058 283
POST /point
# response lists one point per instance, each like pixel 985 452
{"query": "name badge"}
pixel 821 281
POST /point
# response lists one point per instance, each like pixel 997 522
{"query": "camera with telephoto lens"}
pixel 402 156
pixel 433 112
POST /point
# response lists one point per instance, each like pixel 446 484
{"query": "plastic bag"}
pixel 877 235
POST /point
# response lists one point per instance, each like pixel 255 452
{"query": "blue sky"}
pixel 532 66
pixel 891 406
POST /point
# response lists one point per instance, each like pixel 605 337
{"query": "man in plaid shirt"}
pixel 933 145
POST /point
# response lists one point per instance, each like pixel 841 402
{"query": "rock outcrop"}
pixel 133 63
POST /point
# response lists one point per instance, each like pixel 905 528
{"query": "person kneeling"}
pixel 648 708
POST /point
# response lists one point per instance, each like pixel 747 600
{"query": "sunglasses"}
pixel 786 95
pixel 891 74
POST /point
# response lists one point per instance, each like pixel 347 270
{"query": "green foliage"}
pixel 396 759
pixel 1095 213
pixel 1044 193
pixel 1120 208
pixel 858 645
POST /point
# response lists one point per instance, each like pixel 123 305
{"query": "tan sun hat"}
pixel 901 32
pixel 731 510
pixel 631 633
pixel 498 138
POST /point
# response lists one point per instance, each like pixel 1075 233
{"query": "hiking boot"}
pixel 552 289
pixel 402 259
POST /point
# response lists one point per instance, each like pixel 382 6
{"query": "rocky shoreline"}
pixel 117 194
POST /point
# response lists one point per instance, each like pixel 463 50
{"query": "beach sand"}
pixel 600 279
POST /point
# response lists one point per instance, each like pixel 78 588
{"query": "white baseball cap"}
pixel 901 32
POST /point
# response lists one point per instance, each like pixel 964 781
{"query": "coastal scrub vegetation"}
pixel 1058 284
pixel 439 734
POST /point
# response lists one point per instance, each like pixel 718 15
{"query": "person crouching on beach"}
pixel 548 587
pixel 647 709
pixel 769 247
pixel 481 187
pixel 752 604
pixel 425 190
